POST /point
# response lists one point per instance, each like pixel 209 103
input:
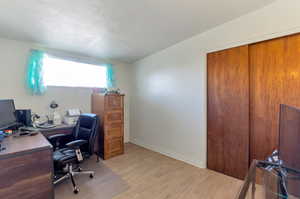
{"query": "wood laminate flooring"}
pixel 151 175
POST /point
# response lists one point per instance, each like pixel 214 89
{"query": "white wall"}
pixel 169 103
pixel 13 58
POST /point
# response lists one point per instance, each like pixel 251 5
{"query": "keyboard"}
pixel 28 128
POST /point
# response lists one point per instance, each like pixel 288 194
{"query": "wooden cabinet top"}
pixel 15 146
pixel 112 94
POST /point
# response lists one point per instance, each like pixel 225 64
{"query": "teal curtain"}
pixel 110 76
pixel 34 80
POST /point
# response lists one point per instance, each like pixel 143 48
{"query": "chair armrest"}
pixel 57 136
pixel 76 144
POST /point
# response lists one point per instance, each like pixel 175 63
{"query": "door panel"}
pixel 228 111
pixel 275 80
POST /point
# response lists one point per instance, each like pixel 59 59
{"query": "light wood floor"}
pixel 151 175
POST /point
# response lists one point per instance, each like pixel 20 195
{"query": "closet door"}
pixel 275 80
pixel 228 111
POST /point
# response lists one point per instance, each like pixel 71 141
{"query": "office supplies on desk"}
pixel 70 120
pixel 72 116
pixel 22 131
pixel 38 121
pixel 73 112
pixel 55 117
pixel 29 128
pixel 8 131
pixel 2 136
pixel 45 126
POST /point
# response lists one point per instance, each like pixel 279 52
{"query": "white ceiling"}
pixel 124 30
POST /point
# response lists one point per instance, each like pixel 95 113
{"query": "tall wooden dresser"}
pixel 110 108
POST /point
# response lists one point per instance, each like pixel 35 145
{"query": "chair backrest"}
pixel 87 129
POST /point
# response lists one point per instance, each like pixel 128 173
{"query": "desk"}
pixel 26 168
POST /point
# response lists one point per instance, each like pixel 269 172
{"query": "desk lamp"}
pixel 56 119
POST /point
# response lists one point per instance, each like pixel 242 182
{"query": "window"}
pixel 59 72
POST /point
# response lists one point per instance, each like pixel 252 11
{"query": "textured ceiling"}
pixel 115 29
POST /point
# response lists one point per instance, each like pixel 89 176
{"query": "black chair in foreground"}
pixel 79 147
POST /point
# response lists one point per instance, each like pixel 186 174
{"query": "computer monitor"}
pixel 289 136
pixel 289 144
pixel 7 114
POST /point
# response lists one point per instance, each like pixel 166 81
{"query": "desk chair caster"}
pixel 80 170
pixel 76 191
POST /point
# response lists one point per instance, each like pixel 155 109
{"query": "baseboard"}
pixel 177 156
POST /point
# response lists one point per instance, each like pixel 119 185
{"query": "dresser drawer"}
pixel 113 125
pixel 114 146
pixel 113 133
pixel 113 102
pixel 113 116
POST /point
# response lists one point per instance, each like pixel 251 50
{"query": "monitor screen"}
pixel 289 136
pixel 7 114
pixel 289 143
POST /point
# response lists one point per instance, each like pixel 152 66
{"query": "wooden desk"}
pixel 26 168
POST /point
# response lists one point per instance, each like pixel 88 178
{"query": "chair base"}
pixel 71 173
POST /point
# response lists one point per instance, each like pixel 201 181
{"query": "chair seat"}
pixel 63 156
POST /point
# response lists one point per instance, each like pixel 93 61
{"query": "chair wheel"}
pixel 76 191
pixel 91 175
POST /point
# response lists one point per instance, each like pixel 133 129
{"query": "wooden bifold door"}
pixel 246 86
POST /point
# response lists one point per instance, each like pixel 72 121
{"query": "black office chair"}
pixel 80 147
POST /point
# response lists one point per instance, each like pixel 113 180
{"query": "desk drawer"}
pixel 27 176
